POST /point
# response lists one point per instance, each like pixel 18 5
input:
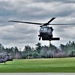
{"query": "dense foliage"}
pixel 51 51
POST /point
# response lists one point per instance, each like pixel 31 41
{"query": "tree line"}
pixel 51 51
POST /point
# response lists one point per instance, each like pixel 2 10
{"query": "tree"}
pixel 62 47
pixel 38 47
pixel 53 47
pixel 27 51
pixel 1 48
pixel 8 50
pixel 72 54
pixel 44 51
pixel 16 49
pixel 36 54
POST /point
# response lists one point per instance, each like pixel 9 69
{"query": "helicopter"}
pixel 45 32
pixel 4 57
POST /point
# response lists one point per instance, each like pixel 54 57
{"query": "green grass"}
pixel 39 65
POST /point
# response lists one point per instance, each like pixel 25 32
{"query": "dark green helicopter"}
pixel 4 57
pixel 45 32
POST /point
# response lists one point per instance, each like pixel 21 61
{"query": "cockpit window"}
pixel 44 29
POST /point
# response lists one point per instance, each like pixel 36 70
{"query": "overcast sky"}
pixel 17 34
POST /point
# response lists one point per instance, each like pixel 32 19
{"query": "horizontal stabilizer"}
pixel 55 39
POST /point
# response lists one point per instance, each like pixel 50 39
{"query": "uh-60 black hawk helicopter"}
pixel 45 31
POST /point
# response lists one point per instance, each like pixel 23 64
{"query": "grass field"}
pixel 39 65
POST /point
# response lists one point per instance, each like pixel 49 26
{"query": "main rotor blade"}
pixel 51 20
pixel 42 24
pixel 61 24
pixel 25 22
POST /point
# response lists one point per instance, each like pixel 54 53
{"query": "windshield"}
pixel 44 29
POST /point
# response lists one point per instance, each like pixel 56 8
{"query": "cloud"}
pixel 18 9
pixel 35 11
pixel 65 1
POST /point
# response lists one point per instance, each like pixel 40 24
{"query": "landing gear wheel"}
pixel 39 38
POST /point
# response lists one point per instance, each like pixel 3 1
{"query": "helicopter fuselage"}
pixel 46 33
